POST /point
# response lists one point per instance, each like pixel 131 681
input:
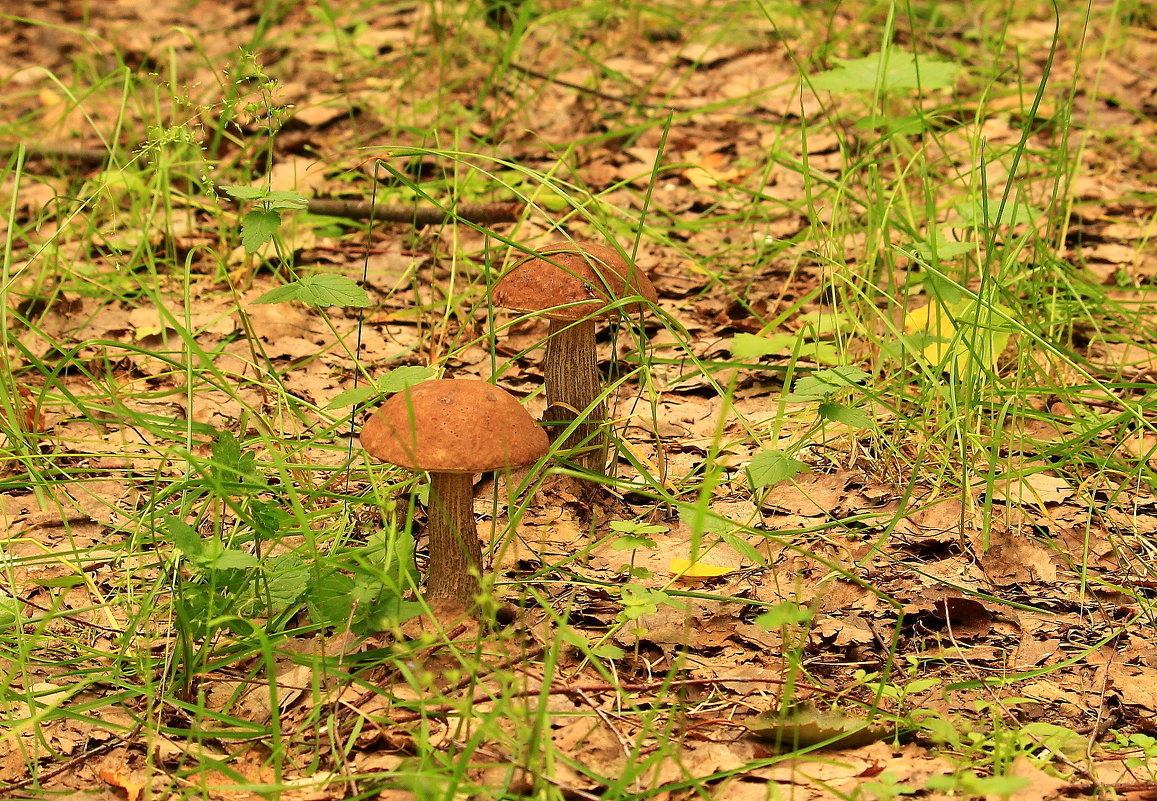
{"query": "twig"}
pixel 122 739
pixel 89 156
pixel 444 710
pixel 482 213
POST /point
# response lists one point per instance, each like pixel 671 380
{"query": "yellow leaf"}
pixel 689 569
pixel 934 321
pixel 984 334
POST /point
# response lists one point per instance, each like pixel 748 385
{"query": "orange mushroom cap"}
pixel 568 281
pixel 454 426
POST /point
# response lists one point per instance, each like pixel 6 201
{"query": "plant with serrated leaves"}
pixel 831 391
pixel 225 579
pixel 633 535
pixel 891 72
pixel 261 223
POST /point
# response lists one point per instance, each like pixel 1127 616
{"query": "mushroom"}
pixel 454 428
pixel 573 286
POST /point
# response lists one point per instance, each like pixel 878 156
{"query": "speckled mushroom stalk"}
pixel 454 429
pixel 455 550
pixel 571 372
pixel 574 286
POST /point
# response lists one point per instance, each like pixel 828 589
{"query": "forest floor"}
pixel 880 519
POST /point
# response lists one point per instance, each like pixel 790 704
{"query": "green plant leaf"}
pixel 232 559
pixel 320 290
pixel 972 211
pixel 352 397
pixel 784 614
pixel 394 381
pixel 630 543
pixel 944 248
pixel 403 378
pixel 10 609
pixel 750 347
pixel 959 335
pixel 330 599
pixel 258 227
pixel 891 70
pixel 608 651
pixel 907 125
pixel 825 382
pixel 285 200
pixel 848 415
pixel 184 537
pixel 768 468
pixel 244 192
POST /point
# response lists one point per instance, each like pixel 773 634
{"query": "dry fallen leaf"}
pixel 131 781
pixel 807 725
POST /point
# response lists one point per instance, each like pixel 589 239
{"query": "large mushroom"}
pixel 454 428
pixel 573 286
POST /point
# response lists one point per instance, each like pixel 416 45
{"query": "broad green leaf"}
pixel 394 381
pixel 743 548
pixel 825 382
pixel 701 520
pixel 608 651
pixel 320 290
pixel 892 69
pixel 403 377
pixel 628 542
pixel 638 601
pixel 750 347
pixel 285 200
pixel 1014 213
pixel 332 290
pixel 330 599
pixel 281 294
pixel 244 192
pixel 353 396
pixel 286 579
pixel 258 227
pixel 231 472
pixel 848 415
pixel 821 352
pixel 232 559
pixel 768 468
pixel 186 540
pixel 783 614
pixel 10 609
pixel 908 125
pixel 944 248
pixel 60 582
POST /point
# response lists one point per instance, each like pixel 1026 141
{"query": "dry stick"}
pixel 90 156
pixel 482 213
pixel 119 739
pixel 444 710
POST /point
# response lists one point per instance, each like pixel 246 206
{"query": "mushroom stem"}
pixel 455 551
pixel 572 383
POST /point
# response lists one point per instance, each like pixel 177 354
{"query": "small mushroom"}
pixel 454 428
pixel 573 286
